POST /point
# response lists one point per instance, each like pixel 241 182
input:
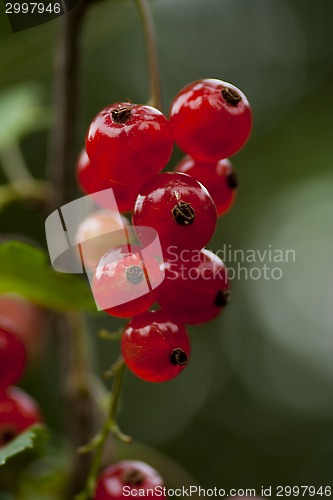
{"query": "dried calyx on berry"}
pixel 183 213
pixel 133 476
pixel 222 298
pixel 178 357
pixel 121 115
pixel 231 96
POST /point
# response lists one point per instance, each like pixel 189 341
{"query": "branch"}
pixel 63 139
pixel 73 356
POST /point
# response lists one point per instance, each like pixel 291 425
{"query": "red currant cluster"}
pixel 127 146
pixel 18 411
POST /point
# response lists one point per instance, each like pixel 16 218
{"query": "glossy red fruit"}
pixel 179 208
pixel 124 281
pixel 210 119
pixel 126 478
pixel 91 182
pixel 155 347
pixel 129 142
pixel 12 357
pixel 18 411
pixel 195 288
pixel 27 320
pixel 99 232
pixel 219 178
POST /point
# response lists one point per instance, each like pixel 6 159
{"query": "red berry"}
pixel 126 479
pixel 12 357
pixel 179 208
pixel 218 177
pixel 210 119
pixel 91 182
pixel 155 347
pixel 18 411
pixel 28 320
pixel 129 142
pixel 124 280
pixel 97 233
pixel 195 288
pixel 87 175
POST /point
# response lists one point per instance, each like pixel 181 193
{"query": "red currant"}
pixel 129 143
pixel 179 208
pixel 87 175
pixel 218 177
pixel 91 182
pixel 28 320
pixel 123 281
pixel 210 119
pixel 18 411
pixel 195 288
pixel 126 478
pixel 12 357
pixel 155 347
pixel 100 231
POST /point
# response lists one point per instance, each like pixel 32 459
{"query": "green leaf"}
pixel 24 270
pixel 28 440
pixel 20 113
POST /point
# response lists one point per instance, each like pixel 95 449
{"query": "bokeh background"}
pixel 255 405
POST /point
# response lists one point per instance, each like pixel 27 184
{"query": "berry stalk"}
pixel 110 426
pixel 145 12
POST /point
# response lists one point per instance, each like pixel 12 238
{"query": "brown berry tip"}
pixel 183 213
pixel 133 476
pixel 231 96
pixel 178 357
pixel 121 115
pixel 134 274
pixel 233 181
pixel 222 298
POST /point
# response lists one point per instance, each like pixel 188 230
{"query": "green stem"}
pixel 35 190
pixel 145 12
pixel 110 425
pixel 14 165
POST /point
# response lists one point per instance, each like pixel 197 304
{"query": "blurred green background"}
pixel 255 405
